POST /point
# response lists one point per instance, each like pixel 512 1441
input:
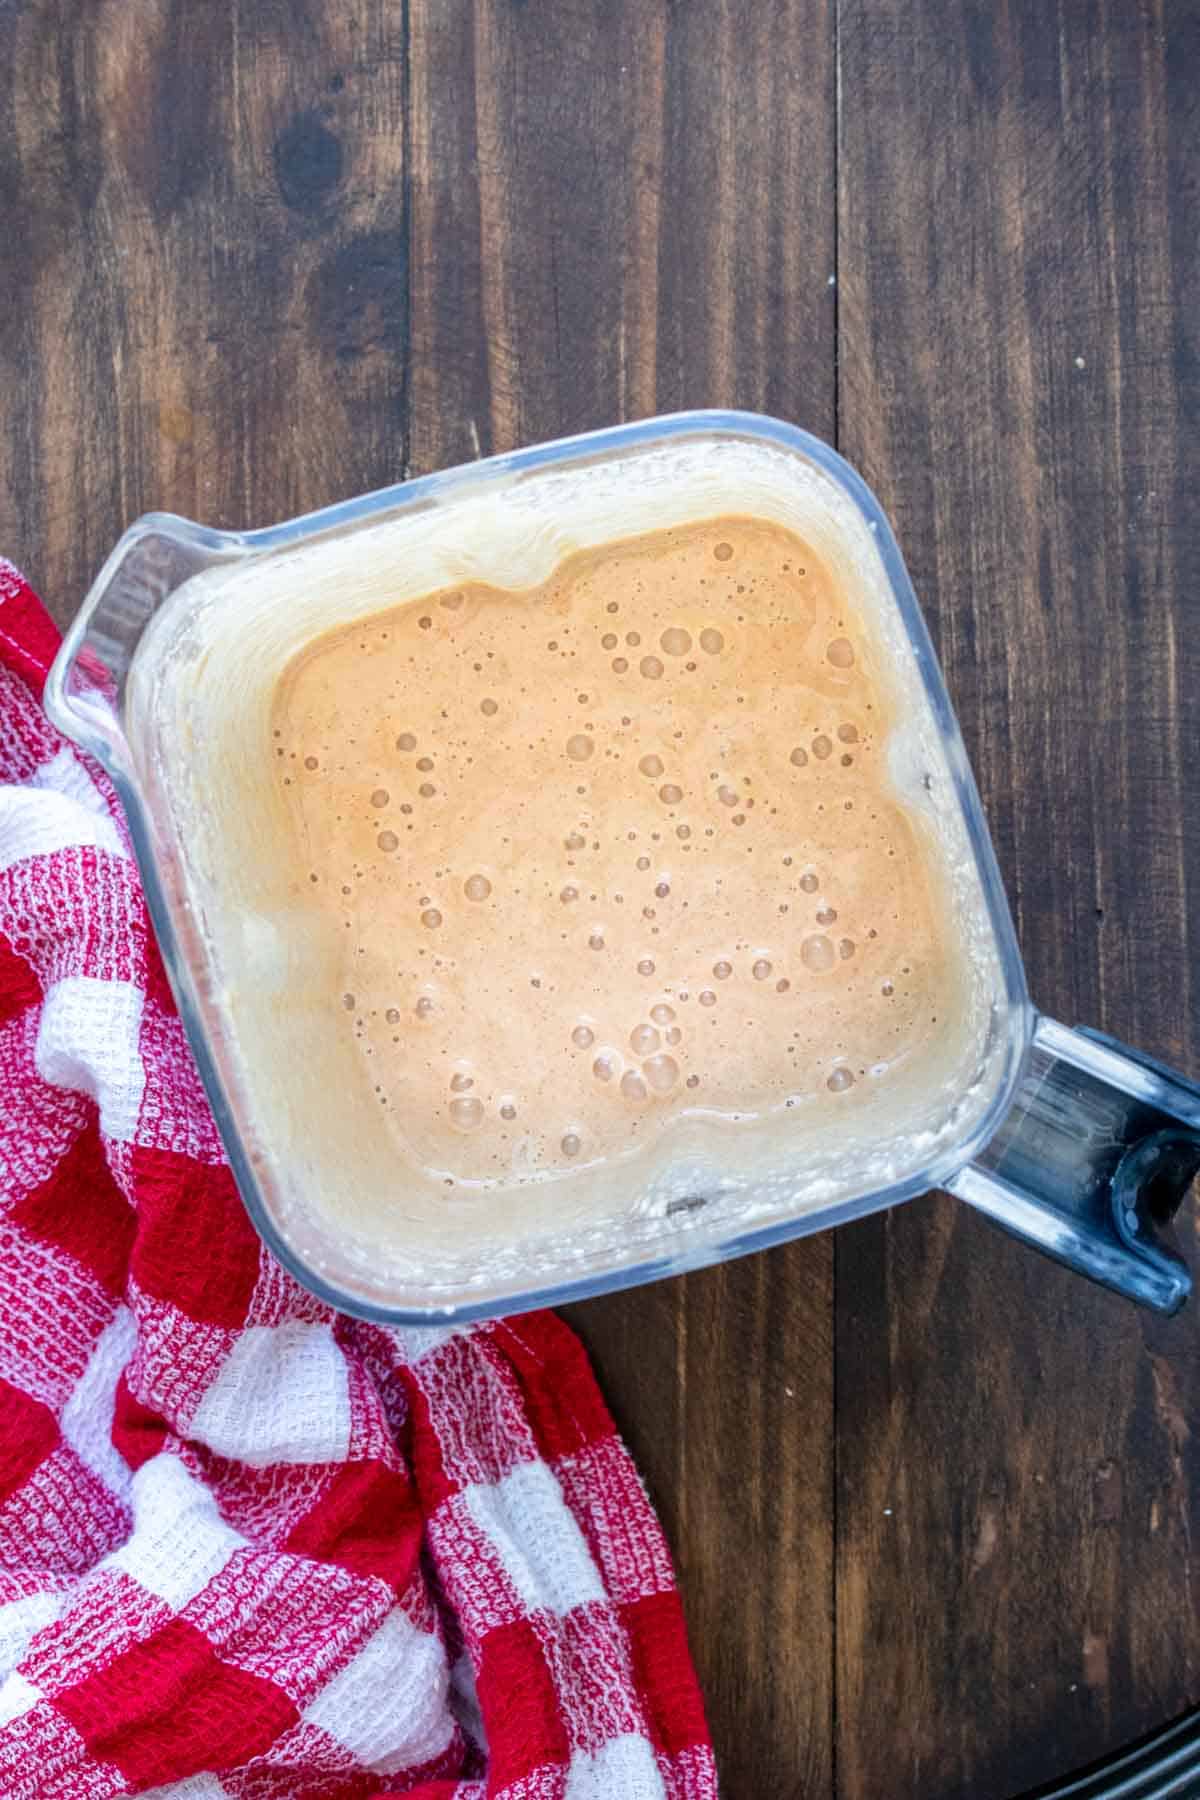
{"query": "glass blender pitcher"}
pixel 1078 1145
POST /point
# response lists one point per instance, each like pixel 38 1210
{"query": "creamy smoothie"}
pixel 554 891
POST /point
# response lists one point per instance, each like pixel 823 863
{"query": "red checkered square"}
pixel 168 1707
pixel 195 1246
pixel 28 1434
pixel 19 986
pixel 367 1519
pixel 521 1705
pixel 80 1209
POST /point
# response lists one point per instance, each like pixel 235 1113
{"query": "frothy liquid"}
pixel 574 859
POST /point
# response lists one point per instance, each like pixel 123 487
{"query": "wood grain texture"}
pixel 622 209
pixel 936 1539
pixel 1018 1471
pixel 204 287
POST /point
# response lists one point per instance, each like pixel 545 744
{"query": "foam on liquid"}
pixel 583 856
pixel 550 874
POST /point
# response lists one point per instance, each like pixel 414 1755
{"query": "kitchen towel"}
pixel 251 1549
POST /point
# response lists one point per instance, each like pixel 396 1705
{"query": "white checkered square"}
pixel 625 1766
pixel 88 1041
pixel 280 1396
pixel 179 1540
pixel 35 822
pixel 537 1540
pixel 388 1705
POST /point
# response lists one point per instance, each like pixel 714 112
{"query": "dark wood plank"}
pixel 617 209
pixel 1018 1471
pixel 204 287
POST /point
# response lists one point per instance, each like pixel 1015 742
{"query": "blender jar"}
pixel 1065 1138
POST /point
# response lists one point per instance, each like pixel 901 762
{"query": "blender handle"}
pixel 1092 1161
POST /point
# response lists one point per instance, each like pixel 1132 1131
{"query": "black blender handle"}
pixel 1097 1152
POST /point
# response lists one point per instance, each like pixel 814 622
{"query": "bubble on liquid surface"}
pixel 583 1036
pixel 392 1015
pixel 645 966
pixel 569 894
pixel 605 1066
pixel 661 1072
pixel 675 641
pixel 643 1039
pixel 839 1081
pixel 663 890
pixel 461 1082
pixel 477 887
pixel 809 883
pixel 423 1007
pixel 673 1034
pixel 388 841
pixel 632 1085
pixel 609 641
pixel 571 1143
pixel 431 918
pixel 821 747
pixel 651 765
pixel 722 552
pixel 466 1113
pixel 761 969
pixel 579 747
pixel 711 641
pixel 406 741
pixel 620 665
pixel 799 757
pixel 348 1002
pixel 596 941
pixel 670 794
pixel 727 796
pixel 427 790
pixel 508 1110
pixel 310 762
pixel 707 997
pixel 841 654
pixel 489 708
pixel 846 948
pixel 816 953
pixel 651 667
pixel 425 764
pixel 662 1014
pixel 722 970
pixel 826 915
pixel 575 841
pixel 848 734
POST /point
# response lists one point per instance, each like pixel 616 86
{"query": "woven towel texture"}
pixel 251 1549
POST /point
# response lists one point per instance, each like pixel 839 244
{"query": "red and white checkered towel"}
pixel 248 1547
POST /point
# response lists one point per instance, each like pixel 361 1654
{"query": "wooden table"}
pixel 934 1503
